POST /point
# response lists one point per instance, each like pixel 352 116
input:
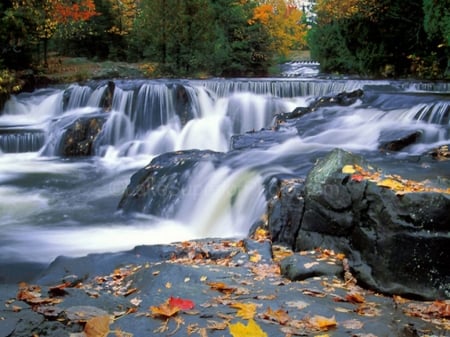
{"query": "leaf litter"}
pixel 228 306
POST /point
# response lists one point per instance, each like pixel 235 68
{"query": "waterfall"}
pixel 52 205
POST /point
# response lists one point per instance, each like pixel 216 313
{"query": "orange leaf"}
pixel 252 329
pixel 183 304
pixel 355 297
pixel 164 310
pixel 222 287
pixel 97 326
pixel 323 323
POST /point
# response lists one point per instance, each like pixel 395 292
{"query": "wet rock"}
pixel 341 99
pixel 396 140
pixel 299 268
pixel 156 188
pixel 396 242
pixel 79 137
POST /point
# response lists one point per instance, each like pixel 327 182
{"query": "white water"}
pixel 51 206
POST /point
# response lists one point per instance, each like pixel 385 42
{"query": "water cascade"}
pixel 52 205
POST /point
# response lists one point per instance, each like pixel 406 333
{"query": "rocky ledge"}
pixel 211 287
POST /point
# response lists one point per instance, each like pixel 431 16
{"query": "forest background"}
pixel 229 38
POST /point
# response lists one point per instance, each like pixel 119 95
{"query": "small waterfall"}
pixel 222 202
pixel 21 141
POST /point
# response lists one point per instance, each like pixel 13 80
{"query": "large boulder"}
pixel 156 189
pixel 396 239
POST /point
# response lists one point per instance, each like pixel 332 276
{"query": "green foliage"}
pixel 377 38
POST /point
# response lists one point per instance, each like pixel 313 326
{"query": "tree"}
pixel 284 23
pixel 372 35
pixel 437 26
pixel 178 35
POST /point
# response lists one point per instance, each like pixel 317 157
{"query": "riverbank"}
pixel 211 287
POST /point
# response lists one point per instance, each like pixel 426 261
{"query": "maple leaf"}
pixel 252 329
pixel 181 303
pixel 245 310
pixel 164 310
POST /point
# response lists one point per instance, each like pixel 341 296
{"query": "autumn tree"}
pixel 284 23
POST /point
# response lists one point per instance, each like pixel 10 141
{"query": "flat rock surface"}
pixel 211 287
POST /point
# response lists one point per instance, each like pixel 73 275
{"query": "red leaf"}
pixel 357 177
pixel 181 303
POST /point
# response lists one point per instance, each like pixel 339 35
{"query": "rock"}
pixel 79 137
pixel 396 140
pixel 299 268
pixel 341 99
pixel 156 188
pixel 396 242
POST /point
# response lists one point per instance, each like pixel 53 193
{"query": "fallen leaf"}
pixel 391 183
pixel 348 169
pixel 357 177
pixel 164 310
pixel 168 285
pixel 97 326
pixel 280 316
pixel 322 322
pixel 252 329
pixel 222 287
pixel 354 297
pixel 214 325
pixel 181 303
pixel 245 310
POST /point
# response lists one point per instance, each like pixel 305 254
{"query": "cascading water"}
pixel 52 205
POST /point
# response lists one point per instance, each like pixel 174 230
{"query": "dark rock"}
pixel 156 188
pixel 341 99
pixel 79 137
pixel 396 140
pixel 396 243
pixel 299 268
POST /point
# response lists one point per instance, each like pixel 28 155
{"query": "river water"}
pixel 51 205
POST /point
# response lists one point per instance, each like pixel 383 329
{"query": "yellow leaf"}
pixel 323 323
pixel 348 169
pixel 252 329
pixel 245 310
pixel 97 326
pixel 168 285
pixel 391 183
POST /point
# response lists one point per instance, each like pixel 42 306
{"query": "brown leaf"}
pixel 355 297
pixel 164 310
pixel 222 287
pixel 97 326
pixel 280 316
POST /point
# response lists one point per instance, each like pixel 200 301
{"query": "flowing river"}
pixel 52 205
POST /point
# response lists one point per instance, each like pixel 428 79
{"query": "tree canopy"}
pixel 232 37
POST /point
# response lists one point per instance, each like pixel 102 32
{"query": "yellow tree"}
pixel 124 13
pixel 284 23
pixel 329 10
